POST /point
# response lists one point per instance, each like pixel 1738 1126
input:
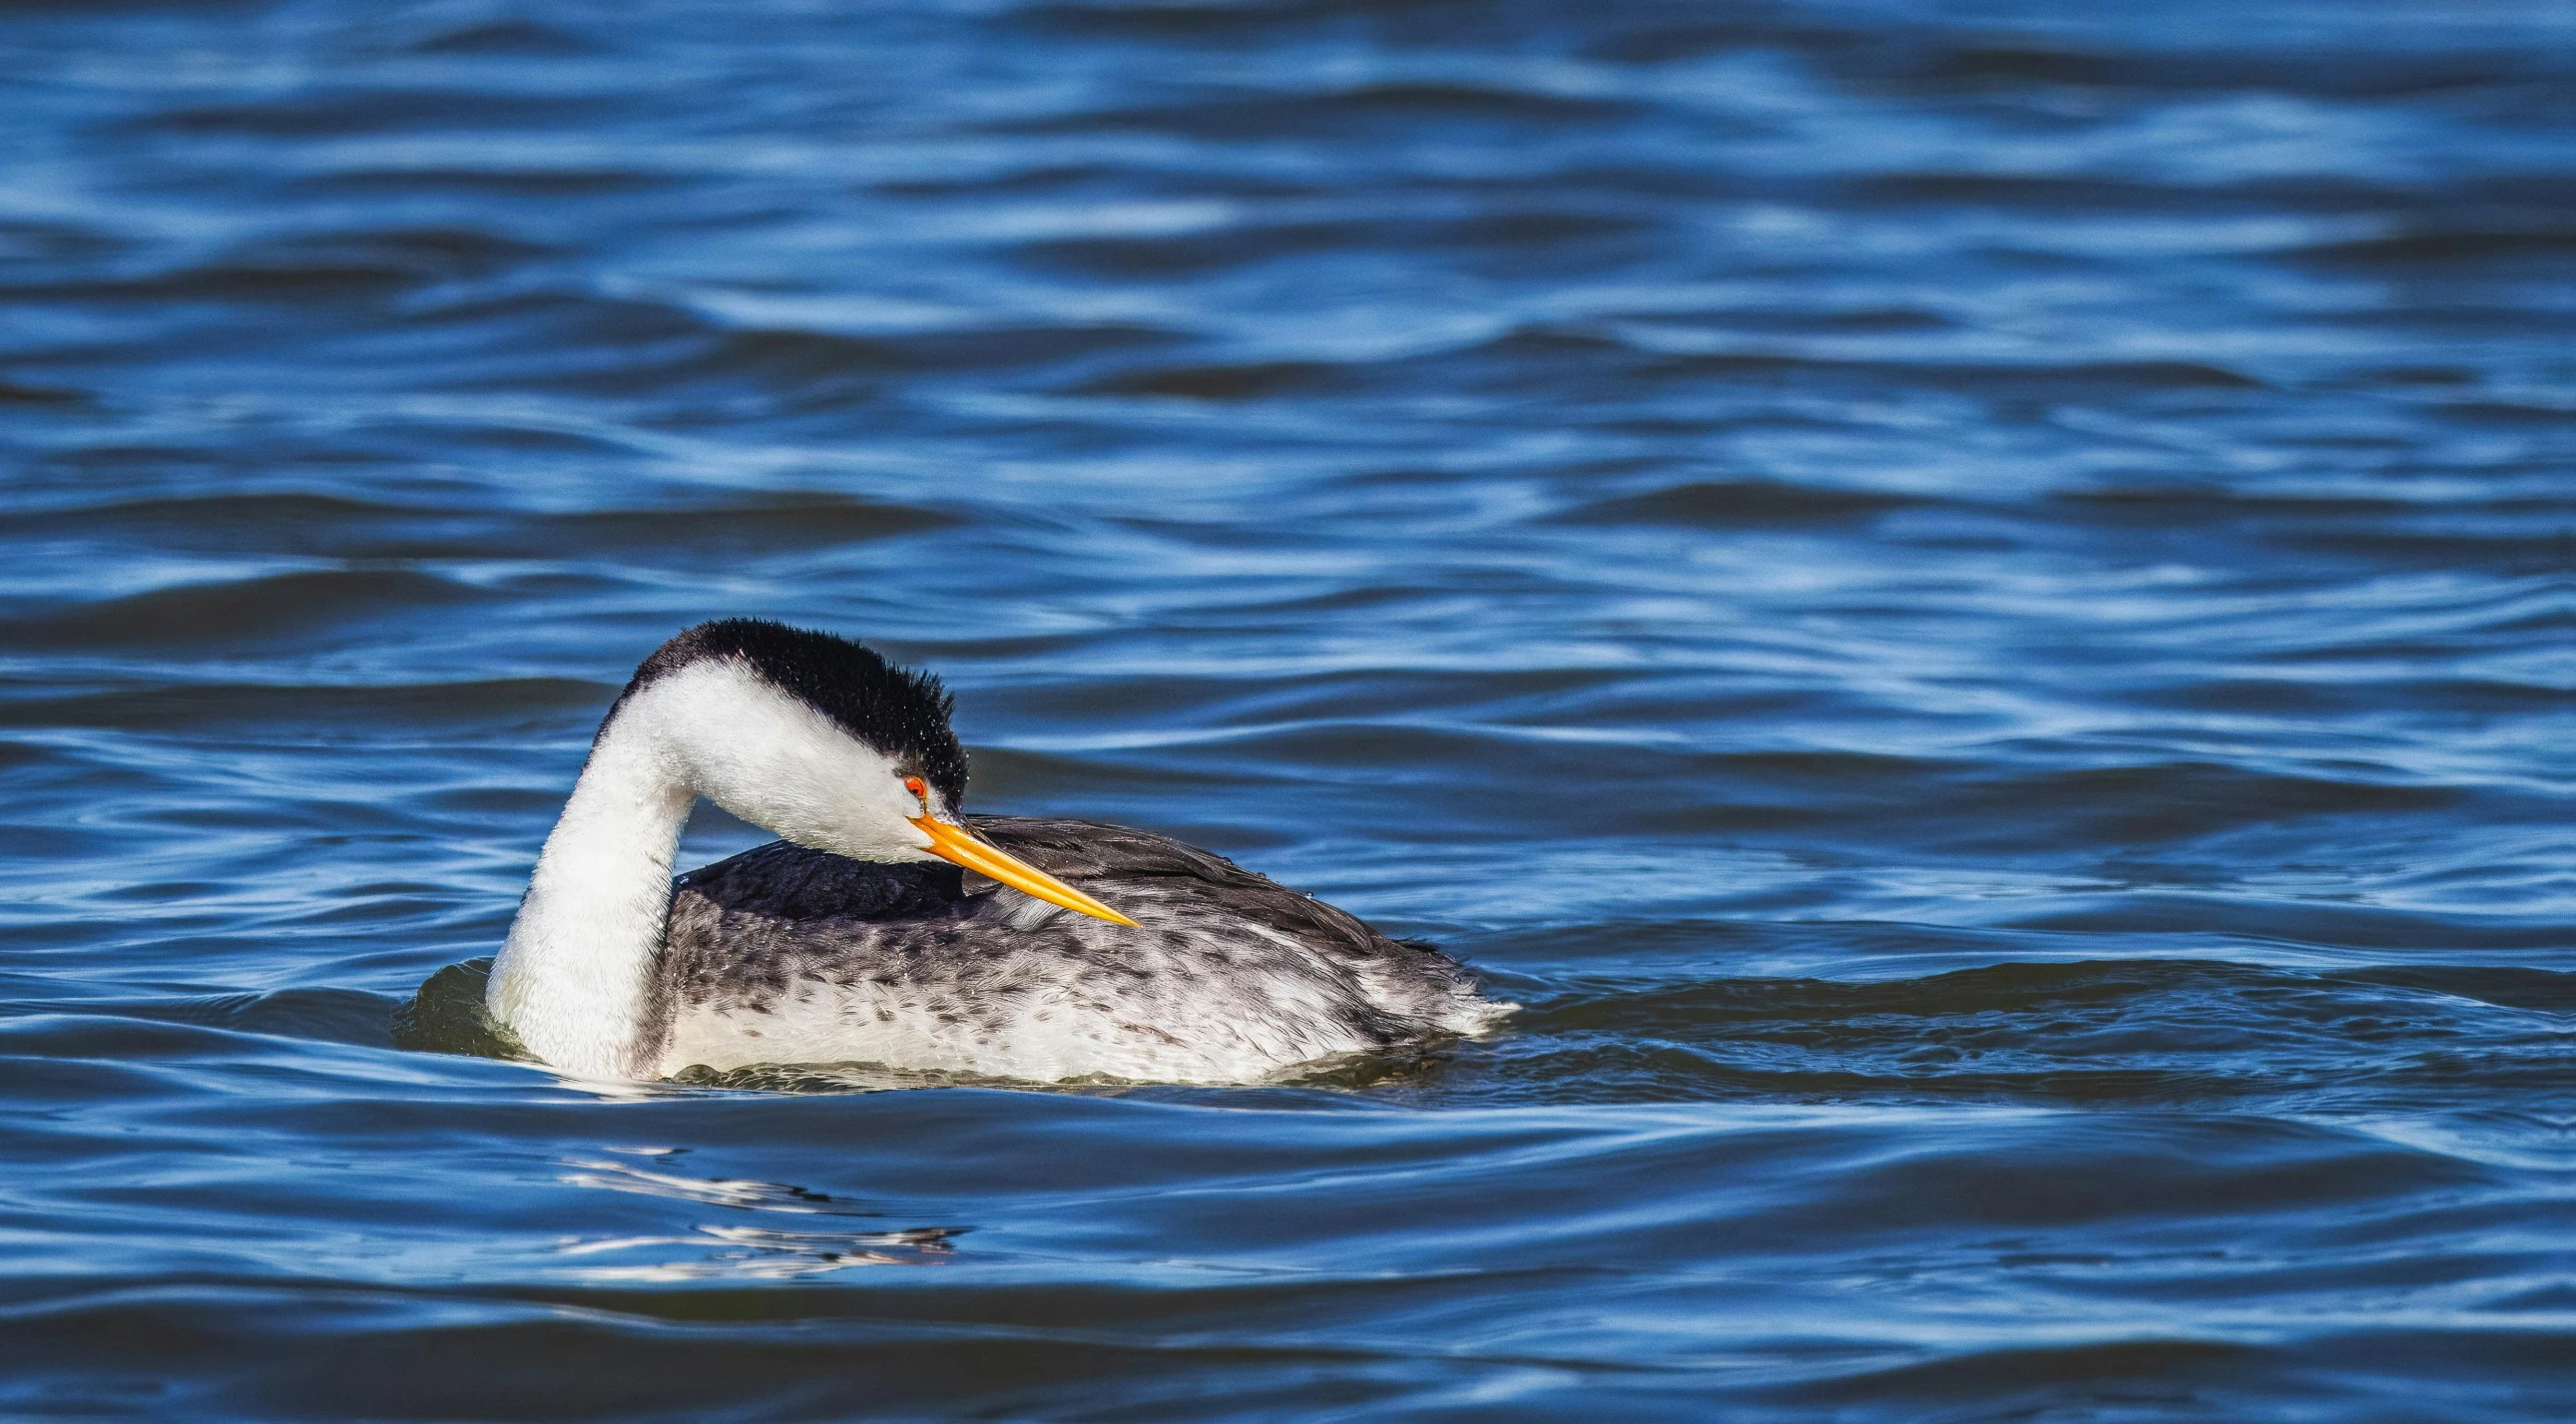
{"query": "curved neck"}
pixel 575 980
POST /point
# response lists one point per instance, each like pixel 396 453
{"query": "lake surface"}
pixel 1969 604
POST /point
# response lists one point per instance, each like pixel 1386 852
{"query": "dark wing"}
pixel 779 881
pixel 1148 870
pixel 788 883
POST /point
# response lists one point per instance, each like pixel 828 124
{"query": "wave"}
pixel 395 708
pixel 2132 1032
pixel 338 526
pixel 1729 504
pixel 238 612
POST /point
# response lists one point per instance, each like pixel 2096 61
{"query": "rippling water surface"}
pixel 1970 604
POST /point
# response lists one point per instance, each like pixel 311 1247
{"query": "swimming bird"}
pixel 890 927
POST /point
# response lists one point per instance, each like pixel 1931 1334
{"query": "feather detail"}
pixel 788 955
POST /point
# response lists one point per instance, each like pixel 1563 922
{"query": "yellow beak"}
pixel 961 846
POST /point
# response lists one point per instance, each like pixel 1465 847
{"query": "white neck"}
pixel 574 980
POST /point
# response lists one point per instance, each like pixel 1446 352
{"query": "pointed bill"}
pixel 960 846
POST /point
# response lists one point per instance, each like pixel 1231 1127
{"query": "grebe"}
pixel 861 938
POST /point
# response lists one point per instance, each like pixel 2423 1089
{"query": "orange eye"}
pixel 920 790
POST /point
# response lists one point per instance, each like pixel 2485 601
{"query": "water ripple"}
pixel 1971 608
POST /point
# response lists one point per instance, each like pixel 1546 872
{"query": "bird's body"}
pixel 788 955
pixel 890 929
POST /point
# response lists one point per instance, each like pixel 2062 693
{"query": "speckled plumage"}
pixel 789 955
pixel 858 939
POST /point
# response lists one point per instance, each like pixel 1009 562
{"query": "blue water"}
pixel 1970 603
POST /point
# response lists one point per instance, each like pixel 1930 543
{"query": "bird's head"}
pixel 822 741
